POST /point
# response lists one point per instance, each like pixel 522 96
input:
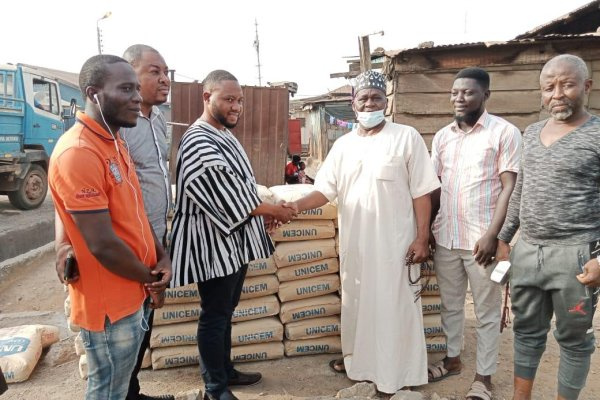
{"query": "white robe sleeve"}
pixel 421 174
pixel 326 180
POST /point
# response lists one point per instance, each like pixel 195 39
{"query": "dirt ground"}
pixel 34 288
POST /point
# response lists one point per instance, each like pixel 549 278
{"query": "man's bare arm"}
pixel 62 248
pixel 419 248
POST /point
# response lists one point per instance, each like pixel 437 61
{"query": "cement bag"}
pixel 311 287
pixel 181 334
pixel 175 356
pixel 296 192
pixel 312 328
pixel 175 313
pixel 258 331
pixel 430 269
pixel 147 360
pixel 183 294
pixel 73 327
pixel 337 242
pixel 256 308
pixel 432 325
pixel 431 305
pixel 68 307
pixel 20 350
pixel 259 286
pixel 329 344
pixel 309 270
pixel 436 344
pixel 257 352
pixel 79 347
pixel 83 367
pixel 322 306
pixel 292 253
pixel 265 194
pixel 49 334
pixel 304 230
pixel 263 266
pixel 431 288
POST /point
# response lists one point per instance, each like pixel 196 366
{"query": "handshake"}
pixel 280 213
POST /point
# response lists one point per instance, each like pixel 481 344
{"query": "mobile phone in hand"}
pixel 70 268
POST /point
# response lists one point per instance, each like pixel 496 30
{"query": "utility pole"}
pixel 99 32
pixel 257 47
pixel 365 51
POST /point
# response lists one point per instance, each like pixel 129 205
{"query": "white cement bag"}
pixel 49 334
pixel 311 287
pixel 430 270
pixel 296 192
pixel 183 294
pixel 309 270
pixel 292 253
pixel 265 194
pixel 322 345
pixel 184 333
pixel 263 266
pixel 256 308
pixel 337 241
pixel 258 331
pixel 322 306
pixel 313 328
pixel 431 288
pixel 259 286
pixel 79 347
pixel 257 352
pixel 73 327
pixel 175 356
pixel 436 344
pixel 175 313
pixel 20 350
pixel 83 367
pixel 68 307
pixel 147 360
pixel 431 305
pixel 432 325
pixel 304 230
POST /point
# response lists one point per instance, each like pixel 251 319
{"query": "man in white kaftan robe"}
pixel 381 176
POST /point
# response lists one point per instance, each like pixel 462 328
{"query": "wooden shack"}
pixel 420 79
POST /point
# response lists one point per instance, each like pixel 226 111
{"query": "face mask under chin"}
pixel 371 119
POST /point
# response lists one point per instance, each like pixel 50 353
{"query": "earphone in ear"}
pixel 96 97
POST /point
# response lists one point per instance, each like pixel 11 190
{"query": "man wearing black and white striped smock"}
pixel 218 227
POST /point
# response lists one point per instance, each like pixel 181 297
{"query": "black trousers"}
pixel 219 298
pixel 134 383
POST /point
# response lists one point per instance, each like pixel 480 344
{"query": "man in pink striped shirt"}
pixel 477 159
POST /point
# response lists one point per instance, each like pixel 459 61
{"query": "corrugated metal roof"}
pixel 573 19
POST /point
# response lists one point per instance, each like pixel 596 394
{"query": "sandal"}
pixel 338 365
pixel 479 391
pixel 436 372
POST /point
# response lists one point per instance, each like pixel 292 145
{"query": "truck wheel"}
pixel 32 191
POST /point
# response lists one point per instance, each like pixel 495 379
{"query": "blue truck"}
pixel 36 107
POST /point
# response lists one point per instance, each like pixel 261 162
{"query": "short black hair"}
pixel 296 158
pixel 134 53
pixel 93 71
pixel 215 77
pixel 479 74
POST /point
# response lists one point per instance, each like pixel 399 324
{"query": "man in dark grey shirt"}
pixel 556 203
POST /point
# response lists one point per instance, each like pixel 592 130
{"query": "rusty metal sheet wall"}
pixel 262 129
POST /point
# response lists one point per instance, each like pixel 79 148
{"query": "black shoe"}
pixel 160 397
pixel 226 395
pixel 244 379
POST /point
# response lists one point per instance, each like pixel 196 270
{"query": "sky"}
pixel 300 41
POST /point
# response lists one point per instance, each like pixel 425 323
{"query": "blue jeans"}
pixel 112 353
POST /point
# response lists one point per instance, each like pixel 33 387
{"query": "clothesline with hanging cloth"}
pixel 339 122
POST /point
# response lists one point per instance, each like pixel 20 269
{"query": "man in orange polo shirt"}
pixel 98 199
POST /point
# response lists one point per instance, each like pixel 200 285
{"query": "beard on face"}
pixel 469 118
pixel 561 115
pixel 223 119
pixel 112 117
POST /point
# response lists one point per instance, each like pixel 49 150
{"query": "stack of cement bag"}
pixel 256 333
pixel 431 304
pixel 80 349
pixel 307 268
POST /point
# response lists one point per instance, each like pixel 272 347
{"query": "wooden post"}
pixel 365 53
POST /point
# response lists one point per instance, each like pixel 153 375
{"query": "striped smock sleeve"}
pixel 225 197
